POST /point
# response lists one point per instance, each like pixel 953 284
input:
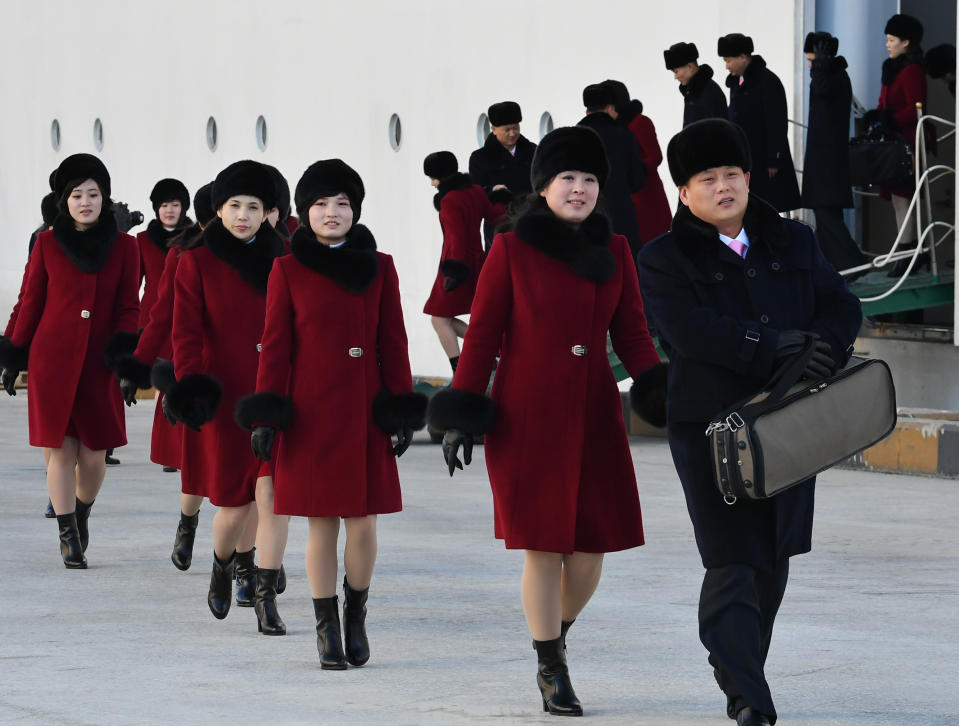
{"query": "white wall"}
pixel 327 77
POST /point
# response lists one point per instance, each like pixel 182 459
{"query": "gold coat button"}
pixel 578 350
pixel 356 352
pixel 84 313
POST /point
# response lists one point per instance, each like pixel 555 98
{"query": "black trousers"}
pixel 737 609
pixel 837 245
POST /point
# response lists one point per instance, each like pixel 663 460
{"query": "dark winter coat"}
pixel 463 206
pixel 702 97
pixel 759 107
pixel 903 86
pixel 627 175
pixel 652 207
pixel 152 243
pixel 492 164
pixel 80 292
pixel 825 181
pixel 719 317
pixel 334 357
pixel 556 448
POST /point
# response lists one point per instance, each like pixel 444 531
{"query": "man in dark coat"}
pixel 501 166
pixel 627 170
pixel 825 183
pixel 702 96
pixel 757 102
pixel 732 287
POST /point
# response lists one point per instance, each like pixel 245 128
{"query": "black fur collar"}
pixel 698 82
pixel 763 225
pixel 352 266
pixel 633 109
pixel 493 147
pixel 160 236
pixel 585 250
pixel 454 183
pixel 892 66
pixel 253 261
pixel 751 75
pixel 90 248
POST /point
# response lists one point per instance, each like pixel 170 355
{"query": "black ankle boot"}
pixel 221 586
pixel 281 580
pixel 83 516
pixel 70 548
pixel 268 620
pixel 245 578
pixel 564 628
pixel 328 641
pixel 48 512
pixel 552 677
pixel 183 544
pixel 354 625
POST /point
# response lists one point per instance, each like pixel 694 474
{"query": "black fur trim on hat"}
pixel 11 357
pixel 264 409
pixel 904 27
pixel 393 412
pixel 599 95
pixel 48 209
pixel 455 182
pixel 504 113
pixel 203 204
pixel 647 395
pixel 500 196
pixel 170 190
pixel 585 250
pixel 679 54
pixel 81 167
pixel 327 178
pixel 281 189
pixel 119 344
pixel 471 413
pixel 706 144
pixel 569 148
pixel 353 266
pixel 126 366
pixel 440 164
pixel 253 261
pixel 194 399
pixel 245 177
pixel 734 44
pixel 87 249
pixel 162 376
pixel 457 270
pixel 816 38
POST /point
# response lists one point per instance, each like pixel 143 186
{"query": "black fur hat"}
pixel 440 165
pixel 620 94
pixel 504 113
pixel 905 27
pixel 203 204
pixel 569 148
pixel 52 180
pixel 244 177
pixel 706 144
pixel 821 36
pixel 734 44
pixel 679 54
pixel 327 178
pixel 81 167
pixel 170 190
pixel 282 192
pixel 598 95
pixel 940 60
pixel 48 208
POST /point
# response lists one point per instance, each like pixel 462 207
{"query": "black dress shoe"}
pixel 751 717
pixel 169 469
pixel 110 459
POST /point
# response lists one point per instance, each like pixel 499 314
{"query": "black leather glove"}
pixel 821 365
pixel 192 418
pixel 404 437
pixel 452 440
pixel 450 283
pixel 262 441
pixel 790 342
pixel 129 390
pixel 9 381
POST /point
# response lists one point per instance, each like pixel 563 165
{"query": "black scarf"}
pixel 253 261
pixel 160 236
pixel 585 250
pixel 87 249
pixel 892 66
pixel 456 182
pixel 353 266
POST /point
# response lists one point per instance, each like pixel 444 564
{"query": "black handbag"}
pixel 880 161
pixel 793 429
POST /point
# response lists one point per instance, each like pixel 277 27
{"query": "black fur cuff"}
pixel 194 399
pixel 264 409
pixel 460 272
pixel 472 413
pixel 500 196
pixel 162 376
pixel 121 343
pixel 11 357
pixel 393 412
pixel 647 395
pixel 126 366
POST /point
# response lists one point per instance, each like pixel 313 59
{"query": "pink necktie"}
pixel 738 247
pixel 742 79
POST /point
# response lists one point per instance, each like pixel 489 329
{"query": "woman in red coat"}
pixel 79 310
pixel 559 463
pixel 334 341
pixel 462 206
pixel 219 304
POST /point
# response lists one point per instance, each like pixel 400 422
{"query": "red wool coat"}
pixel 333 460
pixel 558 458
pixel 462 206
pixel 652 207
pixel 901 96
pixel 66 318
pixel 12 321
pixel 152 258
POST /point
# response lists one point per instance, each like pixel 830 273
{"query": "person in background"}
pixel 702 96
pixel 941 63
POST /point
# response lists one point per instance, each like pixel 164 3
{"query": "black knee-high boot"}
pixel 70 548
pixel 329 643
pixel 83 516
pixel 552 677
pixel 354 625
pixel 221 586
pixel 245 578
pixel 183 544
pixel 268 620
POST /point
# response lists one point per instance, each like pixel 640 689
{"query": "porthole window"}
pixel 261 133
pixel 482 129
pixel 545 124
pixel 396 132
pixel 211 133
pixel 55 135
pixel 98 135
